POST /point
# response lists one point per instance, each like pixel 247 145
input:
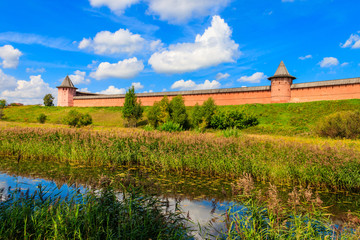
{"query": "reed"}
pixel 318 164
pixel 103 215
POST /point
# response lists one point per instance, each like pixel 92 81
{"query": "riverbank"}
pixel 319 163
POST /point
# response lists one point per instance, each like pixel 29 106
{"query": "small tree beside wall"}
pixel 132 110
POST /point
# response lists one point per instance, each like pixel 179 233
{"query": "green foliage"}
pixel 233 119
pixel 231 132
pixel 196 115
pixel 77 119
pixel 49 100
pixel 1 114
pixel 149 127
pixel 42 118
pixel 88 216
pixel 132 110
pixel 153 114
pixel 202 115
pixel 178 111
pixel 171 127
pixel 2 103
pixel 345 124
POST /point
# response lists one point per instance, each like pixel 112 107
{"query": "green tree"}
pixel 132 110
pixel 208 110
pixel 2 103
pixel 178 111
pixel 153 114
pixel 42 118
pixel 49 100
pixel 196 115
pixel 1 114
pixel 164 105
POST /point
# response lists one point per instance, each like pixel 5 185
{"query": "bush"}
pixel 76 119
pixel 42 118
pixel 1 114
pixel 344 124
pixel 231 132
pixel 201 115
pixel 171 127
pixel 153 114
pixel 149 127
pixel 2 103
pixel 232 119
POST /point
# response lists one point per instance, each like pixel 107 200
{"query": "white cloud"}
pixel 329 62
pixel 121 41
pixel 35 70
pixel 137 85
pixel 79 78
pixel 344 64
pixel 305 57
pixel 191 85
pixel 255 78
pixel 127 68
pixel 214 47
pixel 353 42
pixel 6 81
pixel 86 90
pixel 10 56
pixel 113 90
pixel 220 76
pixel 117 6
pixel 29 92
pixel 176 11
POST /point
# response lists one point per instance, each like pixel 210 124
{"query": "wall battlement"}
pixel 282 90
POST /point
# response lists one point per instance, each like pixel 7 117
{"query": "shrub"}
pixel 2 103
pixel 345 124
pixel 196 115
pixel 42 118
pixel 201 115
pixel 153 114
pixel 231 132
pixel 1 114
pixel 171 127
pixel 76 119
pixel 232 119
pixel 149 127
pixel 178 111
pixel 132 110
pixel 48 100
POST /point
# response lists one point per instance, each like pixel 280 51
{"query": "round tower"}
pixel 66 93
pixel 281 85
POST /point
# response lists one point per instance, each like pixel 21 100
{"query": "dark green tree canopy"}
pixel 2 103
pixel 49 100
pixel 178 111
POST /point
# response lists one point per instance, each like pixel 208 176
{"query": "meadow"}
pixel 291 119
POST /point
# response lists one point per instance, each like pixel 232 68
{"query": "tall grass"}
pixel 90 216
pixel 333 166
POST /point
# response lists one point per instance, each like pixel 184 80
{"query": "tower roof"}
pixel 67 83
pixel 282 72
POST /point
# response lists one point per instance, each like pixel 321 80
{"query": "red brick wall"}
pixel 65 97
pixel 190 100
pixel 340 92
pixel 280 90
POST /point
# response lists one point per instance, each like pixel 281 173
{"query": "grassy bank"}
pixel 90 216
pixel 284 119
pixel 333 164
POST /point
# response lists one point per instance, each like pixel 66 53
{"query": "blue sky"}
pixel 167 45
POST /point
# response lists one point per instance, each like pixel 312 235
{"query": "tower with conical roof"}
pixel 281 85
pixel 66 93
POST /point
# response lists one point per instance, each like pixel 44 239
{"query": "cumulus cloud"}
pixel 84 90
pixel 191 85
pixel 6 81
pixel 220 76
pixel 255 78
pixel 214 47
pixel 79 78
pixel 117 6
pixel 137 85
pixel 353 42
pixel 121 41
pixel 344 64
pixel 10 56
pixel 329 62
pixel 113 90
pixel 29 92
pixel 305 57
pixel 176 11
pixel 127 68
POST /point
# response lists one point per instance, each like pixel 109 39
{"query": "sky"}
pixel 107 46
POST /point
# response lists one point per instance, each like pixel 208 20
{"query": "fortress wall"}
pixel 320 93
pixel 224 98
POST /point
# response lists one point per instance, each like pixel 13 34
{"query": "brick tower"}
pixel 281 85
pixel 66 93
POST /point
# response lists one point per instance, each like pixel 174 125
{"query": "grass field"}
pixel 280 119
